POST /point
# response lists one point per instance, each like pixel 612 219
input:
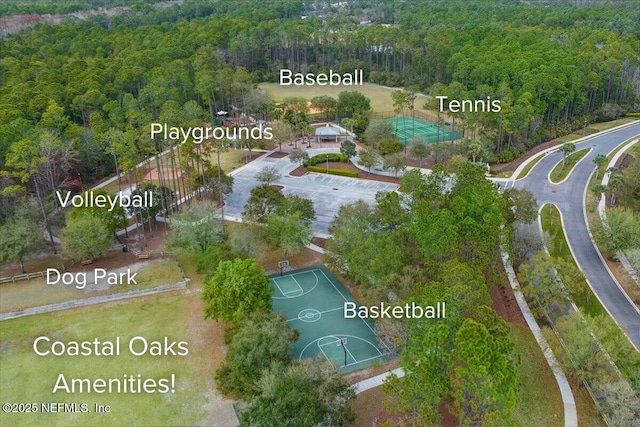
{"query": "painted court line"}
pixel 354 359
pixel 275 282
pixel 297 284
pixel 374 333
pixel 334 286
pixel 324 354
pixel 321 312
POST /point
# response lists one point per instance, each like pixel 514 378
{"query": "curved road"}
pixel 568 197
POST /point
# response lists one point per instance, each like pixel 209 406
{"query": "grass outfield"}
pixel 27 377
pixel 380 96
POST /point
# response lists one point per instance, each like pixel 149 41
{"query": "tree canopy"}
pixel 239 287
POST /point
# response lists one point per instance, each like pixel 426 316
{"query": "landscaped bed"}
pixel 301 170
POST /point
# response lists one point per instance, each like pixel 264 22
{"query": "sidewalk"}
pixel 570 413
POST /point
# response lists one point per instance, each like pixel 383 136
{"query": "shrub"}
pixel 507 155
pixel 339 172
pixel 319 158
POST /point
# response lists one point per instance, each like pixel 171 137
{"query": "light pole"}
pixel 327 164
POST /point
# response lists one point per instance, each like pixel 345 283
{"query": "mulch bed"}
pixel 427 163
pixel 319 241
pixel 301 170
pixel 277 155
pixel 503 301
pixel 246 159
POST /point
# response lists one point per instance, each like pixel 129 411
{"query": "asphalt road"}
pixel 568 197
pixel 328 192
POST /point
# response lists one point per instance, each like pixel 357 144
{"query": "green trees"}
pixel 289 226
pixel 428 361
pixel 378 131
pixel 469 362
pixel 352 102
pixel 348 149
pixel 327 105
pixel 484 377
pixel 302 394
pixel 85 237
pixel 419 149
pixel 520 206
pixel 298 155
pixel 260 341
pixel 368 158
pixel 196 228
pixel 115 219
pixel 238 287
pixel 20 237
pixel 282 133
pixel 262 201
pixel 268 175
pixel 619 231
pixel 566 149
pixel 551 280
pixel 396 162
pixel 290 233
pixel 214 181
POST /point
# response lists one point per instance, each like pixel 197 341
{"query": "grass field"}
pixel 27 377
pixel 35 292
pixel 380 96
pixel 525 171
pixel 561 171
pixel 538 396
pixel 559 248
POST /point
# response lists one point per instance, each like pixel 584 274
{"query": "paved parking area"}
pixel 328 192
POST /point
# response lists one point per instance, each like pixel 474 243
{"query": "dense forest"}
pixel 75 96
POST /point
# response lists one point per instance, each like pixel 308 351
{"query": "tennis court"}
pixel 406 128
pixel 312 300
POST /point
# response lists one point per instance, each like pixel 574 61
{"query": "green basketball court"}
pixel 406 128
pixel 312 300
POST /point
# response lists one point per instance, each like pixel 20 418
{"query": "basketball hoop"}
pixel 282 265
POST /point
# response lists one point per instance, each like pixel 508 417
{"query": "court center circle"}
pixel 309 315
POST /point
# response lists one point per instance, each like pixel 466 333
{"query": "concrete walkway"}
pixel 570 413
pixel 376 381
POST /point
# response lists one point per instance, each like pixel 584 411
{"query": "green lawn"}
pixel 538 398
pixel 594 128
pixel 35 292
pixel 27 377
pixel 559 248
pixel 530 166
pixel 380 96
pixel 562 169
